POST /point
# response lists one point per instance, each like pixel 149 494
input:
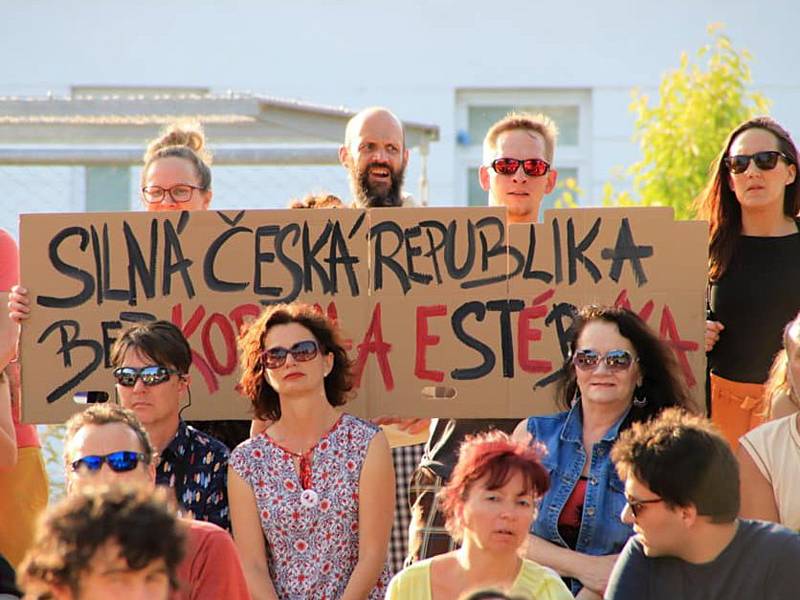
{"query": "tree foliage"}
pixel 683 130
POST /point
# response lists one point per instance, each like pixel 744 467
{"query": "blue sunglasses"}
pixel 120 462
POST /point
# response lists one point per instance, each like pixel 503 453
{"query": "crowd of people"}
pixel 627 493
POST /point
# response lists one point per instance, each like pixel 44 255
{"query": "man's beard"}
pixel 367 196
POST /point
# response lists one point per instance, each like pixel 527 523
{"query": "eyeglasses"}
pixel 274 358
pixel 153 194
pixel 533 167
pixel 615 360
pixel 765 161
pixel 127 376
pixel 636 505
pixel 119 462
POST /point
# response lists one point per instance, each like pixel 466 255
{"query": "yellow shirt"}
pixel 533 581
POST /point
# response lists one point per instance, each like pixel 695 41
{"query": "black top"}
pixel 754 299
pixel 7 579
pixel 759 563
pixel 441 449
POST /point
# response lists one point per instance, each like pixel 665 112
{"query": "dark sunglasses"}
pixel 120 462
pixel 637 505
pixel 615 360
pixel 533 167
pixel 765 161
pixel 273 358
pixel 127 376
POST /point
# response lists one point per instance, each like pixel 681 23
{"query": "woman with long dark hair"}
pixel 617 373
pixel 751 202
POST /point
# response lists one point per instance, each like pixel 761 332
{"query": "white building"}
pixel 455 64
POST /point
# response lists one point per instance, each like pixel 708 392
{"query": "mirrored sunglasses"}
pixel 765 161
pixel 615 360
pixel 533 167
pixel 273 358
pixel 119 462
pixel 127 376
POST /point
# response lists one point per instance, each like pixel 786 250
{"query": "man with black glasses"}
pixel 517 173
pixel 682 488
pixel 107 445
pixel 151 366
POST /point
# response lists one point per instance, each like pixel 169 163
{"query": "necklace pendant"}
pixel 309 498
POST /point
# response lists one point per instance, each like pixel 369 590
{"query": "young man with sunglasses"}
pixel 106 444
pixel 517 173
pixel 151 366
pixel 517 168
pixel 682 491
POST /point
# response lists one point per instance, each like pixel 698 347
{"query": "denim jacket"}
pixel 601 531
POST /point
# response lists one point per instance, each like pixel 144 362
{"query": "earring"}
pixel 639 397
pixel 577 397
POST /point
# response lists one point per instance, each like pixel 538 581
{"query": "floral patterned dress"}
pixel 312 533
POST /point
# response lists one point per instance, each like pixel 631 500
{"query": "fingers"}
pixel 19 304
pixel 713 330
pixel 416 426
pixel 412 425
pixel 385 420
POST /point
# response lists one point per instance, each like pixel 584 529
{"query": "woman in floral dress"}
pixel 312 497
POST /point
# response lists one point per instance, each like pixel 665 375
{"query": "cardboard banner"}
pixel 446 312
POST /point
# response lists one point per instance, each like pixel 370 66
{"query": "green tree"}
pixel 681 133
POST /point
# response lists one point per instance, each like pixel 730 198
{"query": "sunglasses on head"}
pixel 533 167
pixel 127 376
pixel 274 358
pixel 120 462
pixel 765 161
pixel 615 360
pixel 637 505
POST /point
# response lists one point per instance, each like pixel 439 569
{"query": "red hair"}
pixel 497 457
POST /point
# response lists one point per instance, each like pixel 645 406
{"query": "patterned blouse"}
pixel 195 465
pixel 312 533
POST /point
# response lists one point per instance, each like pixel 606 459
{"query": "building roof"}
pixel 95 125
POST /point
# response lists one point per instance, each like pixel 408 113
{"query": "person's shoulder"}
pixel 412 583
pixel 208 537
pixel 770 429
pixel 202 439
pixel 252 444
pixel 204 529
pixel 543 424
pixel 9 260
pixel 352 422
pixel 768 534
pixel 540 581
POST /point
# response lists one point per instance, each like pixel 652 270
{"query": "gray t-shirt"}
pixel 761 562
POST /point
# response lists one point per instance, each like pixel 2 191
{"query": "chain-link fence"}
pixel 44 189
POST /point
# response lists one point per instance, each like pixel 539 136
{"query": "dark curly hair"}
pixel 254 384
pixel 662 383
pixel 685 460
pixel 139 520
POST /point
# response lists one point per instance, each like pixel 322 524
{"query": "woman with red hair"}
pixel 489 505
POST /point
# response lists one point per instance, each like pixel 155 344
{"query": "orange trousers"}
pixel 736 407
